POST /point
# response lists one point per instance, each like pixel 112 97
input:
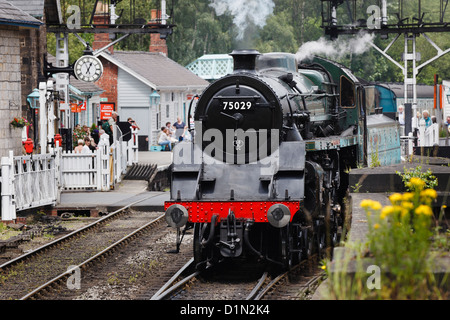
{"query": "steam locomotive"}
pixel 267 171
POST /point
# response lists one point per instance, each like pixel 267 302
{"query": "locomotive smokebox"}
pixel 244 60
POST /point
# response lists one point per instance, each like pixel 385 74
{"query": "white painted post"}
pixel 58 159
pixel 43 117
pixel 435 134
pixel 422 139
pixel 410 143
pixel 8 207
pixel 134 145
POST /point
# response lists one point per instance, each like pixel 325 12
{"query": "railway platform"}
pixel 134 192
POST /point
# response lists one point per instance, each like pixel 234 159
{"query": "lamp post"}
pixel 155 99
pixel 33 99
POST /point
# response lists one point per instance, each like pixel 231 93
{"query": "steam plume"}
pixel 335 49
pixel 246 13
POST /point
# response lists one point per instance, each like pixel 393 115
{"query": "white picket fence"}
pixel 27 181
pixel 86 171
pixel 428 136
pixel 37 180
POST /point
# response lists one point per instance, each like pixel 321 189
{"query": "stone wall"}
pixel 10 90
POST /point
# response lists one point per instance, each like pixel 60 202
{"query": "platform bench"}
pixel 156 148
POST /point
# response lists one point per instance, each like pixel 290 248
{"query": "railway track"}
pixel 48 270
pixel 218 283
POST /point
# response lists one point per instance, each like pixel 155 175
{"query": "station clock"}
pixel 88 68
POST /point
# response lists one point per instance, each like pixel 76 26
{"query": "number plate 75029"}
pixel 237 105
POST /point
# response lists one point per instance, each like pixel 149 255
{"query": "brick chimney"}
pixel 101 16
pixel 156 43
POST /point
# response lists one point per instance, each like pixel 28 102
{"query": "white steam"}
pixel 245 13
pixel 335 49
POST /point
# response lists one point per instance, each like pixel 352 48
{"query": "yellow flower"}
pixel 376 205
pixel 425 210
pixel 324 267
pixel 366 203
pixel 408 196
pixel 429 193
pixel 416 183
pixel 388 210
pixel 406 205
pixel 376 226
pixel 396 197
pixel 370 204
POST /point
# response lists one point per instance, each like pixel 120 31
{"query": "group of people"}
pixel 171 134
pixel 87 141
pixel 425 115
pixel 84 139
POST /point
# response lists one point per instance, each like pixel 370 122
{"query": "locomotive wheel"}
pixel 331 227
pixel 200 254
pixel 286 245
pixel 308 244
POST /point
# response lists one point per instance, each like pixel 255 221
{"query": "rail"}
pixel 71 235
pixel 87 262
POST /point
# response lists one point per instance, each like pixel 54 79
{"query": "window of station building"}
pixel 347 94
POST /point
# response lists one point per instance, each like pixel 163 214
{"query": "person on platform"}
pixel 86 148
pixel 108 126
pixel 447 124
pixel 401 115
pixel 133 124
pixel 171 129
pixel 179 129
pixel 426 117
pixel 165 140
pixel 79 147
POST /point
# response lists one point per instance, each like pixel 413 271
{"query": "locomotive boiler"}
pixel 267 170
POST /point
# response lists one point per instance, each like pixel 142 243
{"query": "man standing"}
pixel 179 126
pixel 108 126
pixel 426 117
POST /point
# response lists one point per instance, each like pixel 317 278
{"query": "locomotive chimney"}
pixel 244 60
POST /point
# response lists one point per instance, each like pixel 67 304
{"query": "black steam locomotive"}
pixel 267 171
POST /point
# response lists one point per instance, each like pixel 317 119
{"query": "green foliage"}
pixel 198 30
pixel 399 243
pixel 430 180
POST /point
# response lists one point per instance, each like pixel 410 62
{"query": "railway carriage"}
pixel 267 170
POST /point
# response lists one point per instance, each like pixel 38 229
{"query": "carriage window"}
pixel 347 93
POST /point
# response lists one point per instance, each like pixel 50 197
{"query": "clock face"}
pixel 88 68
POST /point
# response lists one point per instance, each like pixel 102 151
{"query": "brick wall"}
pixel 108 81
pixel 156 43
pixel 10 90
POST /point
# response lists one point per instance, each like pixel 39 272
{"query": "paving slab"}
pixel 124 193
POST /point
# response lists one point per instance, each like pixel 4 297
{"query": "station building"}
pixel 146 86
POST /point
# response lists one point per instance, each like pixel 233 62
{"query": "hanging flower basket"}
pixel 19 122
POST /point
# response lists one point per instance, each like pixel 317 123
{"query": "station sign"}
pixel 106 110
